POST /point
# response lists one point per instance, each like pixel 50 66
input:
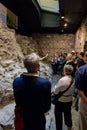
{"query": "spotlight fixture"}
pixel 65 24
pixel 62 17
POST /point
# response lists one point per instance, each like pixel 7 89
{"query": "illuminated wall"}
pixel 8 17
pixel 3 13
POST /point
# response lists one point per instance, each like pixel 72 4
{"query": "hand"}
pixel 73 99
pixel 46 54
pixel 47 113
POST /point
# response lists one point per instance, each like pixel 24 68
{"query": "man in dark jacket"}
pixel 32 94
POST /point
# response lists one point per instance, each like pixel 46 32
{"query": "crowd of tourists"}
pixel 32 93
pixel 70 67
pixel 59 60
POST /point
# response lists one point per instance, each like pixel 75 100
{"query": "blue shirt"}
pixel 33 95
pixel 32 90
pixel 81 79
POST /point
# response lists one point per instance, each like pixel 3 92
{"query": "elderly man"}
pixel 81 85
pixel 32 95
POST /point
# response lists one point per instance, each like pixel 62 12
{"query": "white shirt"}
pixel 62 85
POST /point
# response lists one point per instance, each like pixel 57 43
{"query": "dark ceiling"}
pixel 29 21
pixel 74 11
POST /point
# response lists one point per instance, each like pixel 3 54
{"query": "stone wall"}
pixel 10 56
pixel 47 43
pixel 51 43
pixel 81 37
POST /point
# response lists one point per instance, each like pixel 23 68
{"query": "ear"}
pixel 38 67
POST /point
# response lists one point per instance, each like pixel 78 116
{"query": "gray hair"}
pixel 68 69
pixel 31 61
pixel 69 56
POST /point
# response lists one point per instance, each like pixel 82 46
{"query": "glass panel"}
pixel 49 5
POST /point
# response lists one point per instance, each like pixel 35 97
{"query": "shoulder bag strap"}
pixel 67 88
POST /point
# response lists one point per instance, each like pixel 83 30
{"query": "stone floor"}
pixel 50 125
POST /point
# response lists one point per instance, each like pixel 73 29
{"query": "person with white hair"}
pixel 64 102
pixel 32 95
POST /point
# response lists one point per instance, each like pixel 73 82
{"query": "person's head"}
pixel 31 63
pixel 73 52
pixel 69 56
pixel 82 54
pixel 68 69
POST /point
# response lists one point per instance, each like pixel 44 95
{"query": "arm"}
pixel 79 85
pixel 44 57
pixel 17 90
pixel 75 94
pixel 82 95
pixel 47 98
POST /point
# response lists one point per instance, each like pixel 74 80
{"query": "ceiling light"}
pixel 65 24
pixel 62 17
